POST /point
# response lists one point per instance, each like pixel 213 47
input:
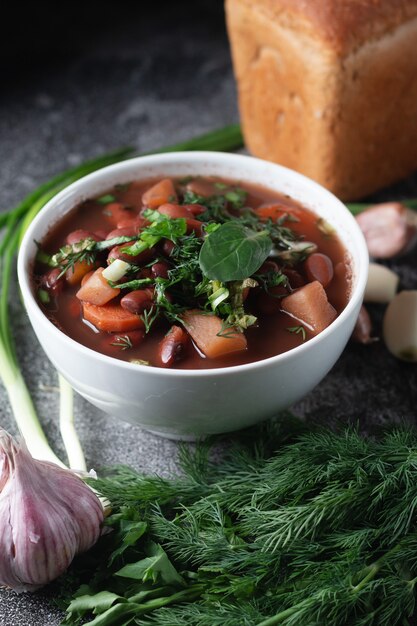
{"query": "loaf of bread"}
pixel 329 87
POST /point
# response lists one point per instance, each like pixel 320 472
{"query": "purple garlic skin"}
pixel 47 516
pixel 390 229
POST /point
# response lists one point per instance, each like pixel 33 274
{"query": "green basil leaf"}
pixel 234 252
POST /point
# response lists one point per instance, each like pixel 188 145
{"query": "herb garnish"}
pixel 210 272
pixel 148 317
pixel 106 199
pixel 123 342
pixel 234 252
pixel 295 526
pixel 85 250
pixel 298 330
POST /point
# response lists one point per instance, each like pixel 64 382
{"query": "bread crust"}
pixel 342 24
pixel 313 99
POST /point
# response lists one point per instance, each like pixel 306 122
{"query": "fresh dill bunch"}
pixel 205 614
pixel 293 526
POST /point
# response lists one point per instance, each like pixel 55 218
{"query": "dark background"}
pixel 82 79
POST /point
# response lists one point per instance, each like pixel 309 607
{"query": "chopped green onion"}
pixel 106 199
pixel 43 296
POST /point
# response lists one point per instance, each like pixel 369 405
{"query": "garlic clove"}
pixel 47 516
pixel 382 284
pixel 363 328
pixel 389 229
pixel 400 326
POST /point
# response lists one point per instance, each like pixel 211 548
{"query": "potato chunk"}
pixel 205 329
pixel 310 306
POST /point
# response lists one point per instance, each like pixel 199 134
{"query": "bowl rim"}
pixel 361 260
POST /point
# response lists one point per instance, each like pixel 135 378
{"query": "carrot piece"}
pixel 310 306
pixel 80 268
pixel 161 193
pixel 276 211
pixel 115 212
pixel 97 290
pixel 111 317
pixel 204 331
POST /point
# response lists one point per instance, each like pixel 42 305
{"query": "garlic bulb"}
pixel 389 228
pixel 47 516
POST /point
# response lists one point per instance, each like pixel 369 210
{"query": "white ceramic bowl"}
pixel 194 403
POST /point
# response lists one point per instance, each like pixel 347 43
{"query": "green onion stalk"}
pixel 13 224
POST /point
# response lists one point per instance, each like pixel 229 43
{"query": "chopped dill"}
pixel 123 342
pixel 295 525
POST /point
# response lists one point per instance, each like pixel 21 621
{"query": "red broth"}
pixel 274 332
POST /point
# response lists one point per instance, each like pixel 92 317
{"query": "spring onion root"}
pixel 69 435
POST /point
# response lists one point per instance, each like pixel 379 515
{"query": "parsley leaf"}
pixel 234 252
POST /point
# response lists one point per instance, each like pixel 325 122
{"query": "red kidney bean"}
pixel 194 225
pixel 53 282
pixel 145 272
pixel 195 209
pixel 79 235
pixel 101 234
pixel 138 301
pixel 172 346
pixel 268 266
pixel 137 259
pixel 137 222
pixel 160 269
pixel 174 211
pixel 127 231
pixel 294 278
pixel 167 247
pixel 319 267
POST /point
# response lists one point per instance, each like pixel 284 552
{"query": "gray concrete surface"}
pixel 130 87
